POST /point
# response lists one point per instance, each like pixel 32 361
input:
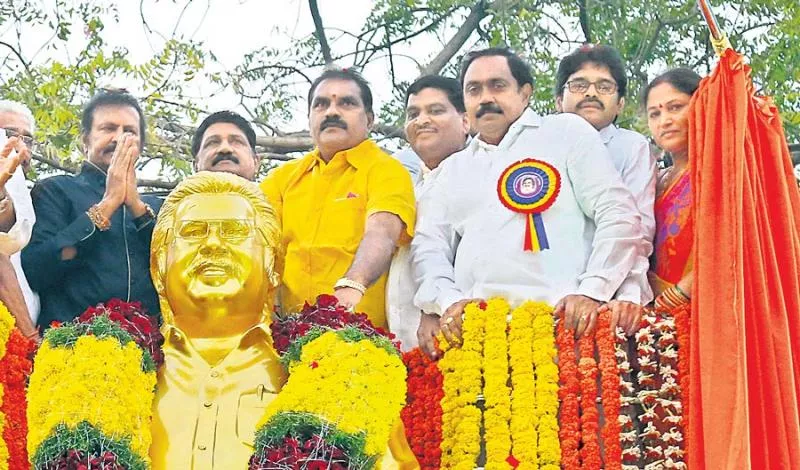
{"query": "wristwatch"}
pixel 345 282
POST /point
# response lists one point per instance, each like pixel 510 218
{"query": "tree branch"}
pixel 583 14
pixel 18 54
pixel 455 43
pixel 320 32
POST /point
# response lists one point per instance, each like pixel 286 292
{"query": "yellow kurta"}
pixel 323 209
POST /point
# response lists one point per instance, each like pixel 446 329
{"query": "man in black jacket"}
pixel 91 241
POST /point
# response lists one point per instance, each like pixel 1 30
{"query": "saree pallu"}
pixel 672 246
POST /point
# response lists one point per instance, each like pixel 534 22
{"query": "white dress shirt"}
pixel 401 313
pixel 630 153
pixel 11 243
pixel 411 162
pixel 468 244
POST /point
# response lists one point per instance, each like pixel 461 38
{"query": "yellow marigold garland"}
pixel 95 380
pixel 356 386
pixel 461 417
pixel 497 415
pixel 524 419
pixel 544 357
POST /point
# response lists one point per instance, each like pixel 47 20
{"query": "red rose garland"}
pixel 422 415
pixel 610 392
pixel 569 431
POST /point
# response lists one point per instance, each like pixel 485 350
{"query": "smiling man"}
pixel 225 141
pixel 91 241
pixel 591 83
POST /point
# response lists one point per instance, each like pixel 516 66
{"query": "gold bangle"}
pixel 98 219
pixel 349 283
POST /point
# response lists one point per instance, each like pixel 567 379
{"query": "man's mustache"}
pixel 594 100
pixel 224 156
pixel 226 265
pixel 488 108
pixel 333 121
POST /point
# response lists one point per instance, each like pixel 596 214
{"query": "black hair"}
pixel 112 97
pixel 682 78
pixel 344 74
pixel 450 86
pixel 223 116
pixel 589 54
pixel 519 69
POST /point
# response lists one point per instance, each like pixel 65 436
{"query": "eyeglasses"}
pixel 26 139
pixel 227 229
pixel 603 87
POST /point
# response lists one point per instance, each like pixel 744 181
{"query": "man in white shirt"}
pixel 571 242
pixel 591 83
pixel 436 127
pixel 16 214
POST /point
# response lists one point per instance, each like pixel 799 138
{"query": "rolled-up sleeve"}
pixel 604 198
pixel 433 252
pixel 55 229
pixel 389 189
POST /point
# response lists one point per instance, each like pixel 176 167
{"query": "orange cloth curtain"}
pixel 745 327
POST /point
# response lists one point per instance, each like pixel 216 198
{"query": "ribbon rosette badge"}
pixel 529 187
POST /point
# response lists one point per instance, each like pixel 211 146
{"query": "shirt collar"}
pixel 357 156
pixel 529 118
pixel 92 172
pixel 609 132
pixel 175 337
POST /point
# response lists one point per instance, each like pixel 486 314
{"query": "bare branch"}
pixel 320 32
pixel 450 49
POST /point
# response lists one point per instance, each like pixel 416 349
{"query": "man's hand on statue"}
pixel 626 315
pixel 8 162
pixel 579 312
pixel 427 331
pixel 348 297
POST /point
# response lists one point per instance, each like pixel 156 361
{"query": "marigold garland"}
pixel 544 356
pixel 462 369
pixel 524 419
pixel 497 413
pixel 15 368
pixel 610 380
pixel 590 416
pixel 570 386
pixel 422 415
pixel 92 384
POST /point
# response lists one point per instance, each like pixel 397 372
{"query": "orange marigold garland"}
pixel 15 368
pixel 610 394
pixel 682 325
pixel 569 432
pixel 497 414
pixel 590 417
pixel 422 416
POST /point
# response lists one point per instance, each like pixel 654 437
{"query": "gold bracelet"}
pixel 98 219
pixel 344 282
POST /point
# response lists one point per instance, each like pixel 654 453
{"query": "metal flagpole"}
pixel 718 38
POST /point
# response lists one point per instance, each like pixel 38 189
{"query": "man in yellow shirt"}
pixel 344 207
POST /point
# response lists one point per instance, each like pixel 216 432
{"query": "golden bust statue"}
pixel 212 261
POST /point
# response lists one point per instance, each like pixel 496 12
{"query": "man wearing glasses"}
pixel 591 83
pixel 91 241
pixel 16 213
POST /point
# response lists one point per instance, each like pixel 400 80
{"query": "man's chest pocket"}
pixel 343 221
pixel 249 412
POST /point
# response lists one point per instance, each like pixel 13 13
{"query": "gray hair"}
pixel 8 106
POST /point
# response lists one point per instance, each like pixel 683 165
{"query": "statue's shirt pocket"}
pixel 250 410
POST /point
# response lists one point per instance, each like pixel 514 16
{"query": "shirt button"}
pixel 201 447
pixel 214 374
pixel 207 404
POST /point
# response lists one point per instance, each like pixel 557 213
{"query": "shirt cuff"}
pixel 79 231
pixel 596 288
pixel 447 299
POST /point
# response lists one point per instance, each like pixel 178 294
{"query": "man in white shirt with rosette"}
pixel 531 209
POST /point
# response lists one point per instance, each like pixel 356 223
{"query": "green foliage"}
pixel 349 334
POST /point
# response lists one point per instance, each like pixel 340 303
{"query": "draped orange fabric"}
pixel 745 332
